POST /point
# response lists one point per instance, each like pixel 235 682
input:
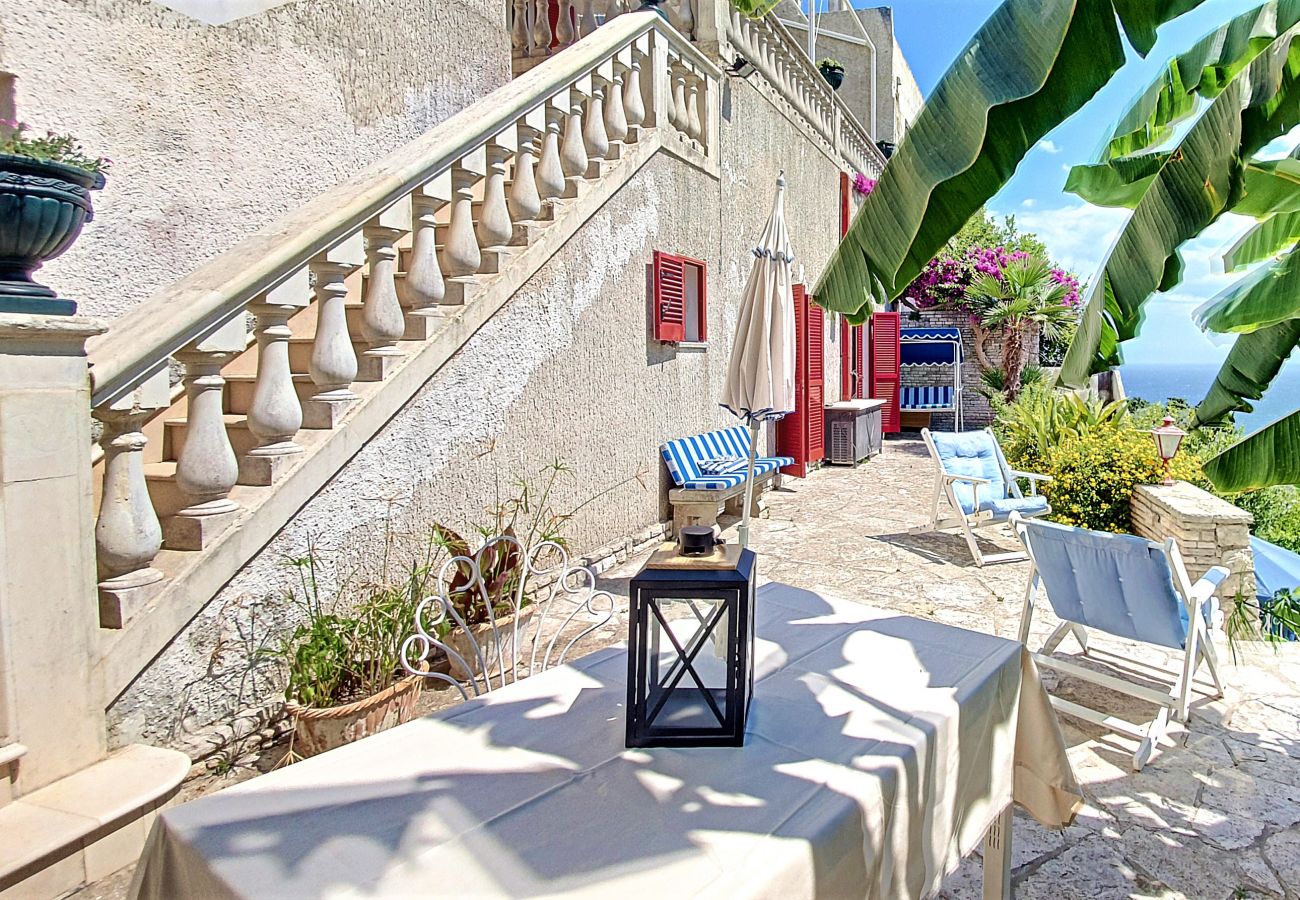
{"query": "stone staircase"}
pixel 229 399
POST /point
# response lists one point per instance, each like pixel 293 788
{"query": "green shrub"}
pixel 1277 514
pixel 1095 472
pixel 1042 418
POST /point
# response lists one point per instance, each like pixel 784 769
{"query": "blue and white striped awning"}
pixel 934 346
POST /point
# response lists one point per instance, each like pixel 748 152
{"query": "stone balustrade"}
pixel 1209 530
pixel 280 340
pixel 770 48
pixel 542 28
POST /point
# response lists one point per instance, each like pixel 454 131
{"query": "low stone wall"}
pixel 1210 531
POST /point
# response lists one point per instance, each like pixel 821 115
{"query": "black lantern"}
pixel 690 668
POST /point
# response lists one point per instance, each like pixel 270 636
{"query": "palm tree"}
pixel 1185 152
pixel 1023 296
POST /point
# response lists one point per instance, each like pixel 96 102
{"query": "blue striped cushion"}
pixel 912 398
pixel 684 456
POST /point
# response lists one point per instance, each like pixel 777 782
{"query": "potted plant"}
pixel 45 185
pixel 343 664
pixel 832 71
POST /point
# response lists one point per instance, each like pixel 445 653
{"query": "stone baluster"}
pixel 550 171
pixel 693 126
pixel 382 321
pixel 460 253
pixel 206 469
pixel 127 533
pixel 615 114
pixel 588 17
pixel 573 153
pixel 525 200
pixel 542 36
pixel 333 365
pixel 681 18
pixel 594 136
pixel 423 288
pixel 679 114
pixel 519 27
pixel 564 31
pixel 494 226
pixel 275 414
pixel 633 101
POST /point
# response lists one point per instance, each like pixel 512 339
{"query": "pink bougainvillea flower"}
pixel 862 184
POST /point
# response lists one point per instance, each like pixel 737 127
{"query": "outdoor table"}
pixel 880 750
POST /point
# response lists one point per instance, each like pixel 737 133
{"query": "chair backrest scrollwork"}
pixel 532 599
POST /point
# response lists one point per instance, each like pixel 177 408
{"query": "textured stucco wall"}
pixel 217 130
pixel 565 370
pixel 908 99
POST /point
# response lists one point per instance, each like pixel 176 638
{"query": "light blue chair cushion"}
pixel 971 453
pixel 1116 583
pixel 1026 506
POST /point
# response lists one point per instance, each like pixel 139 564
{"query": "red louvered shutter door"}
pixel 846 359
pixel 884 367
pixel 791 431
pixel 669 297
pixel 860 361
pixel 815 414
pixel 846 206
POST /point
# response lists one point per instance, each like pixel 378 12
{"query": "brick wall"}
pixel 1210 531
pixel 976 412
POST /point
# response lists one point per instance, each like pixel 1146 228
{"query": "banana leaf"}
pixel 1266 239
pixel 1269 188
pixel 1202 178
pixel 1027 69
pixel 1265 458
pixel 1252 364
pixel 1203 71
pixel 1267 296
pixel 1118 183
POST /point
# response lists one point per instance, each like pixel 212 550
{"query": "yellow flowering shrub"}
pixel 1095 473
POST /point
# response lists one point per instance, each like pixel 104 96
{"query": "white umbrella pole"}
pixel 749 483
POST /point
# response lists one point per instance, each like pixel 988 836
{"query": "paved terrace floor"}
pixel 1215 814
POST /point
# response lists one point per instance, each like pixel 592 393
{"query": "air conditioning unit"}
pixel 854 428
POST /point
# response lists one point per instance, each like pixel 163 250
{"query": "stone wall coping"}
pixel 1192 504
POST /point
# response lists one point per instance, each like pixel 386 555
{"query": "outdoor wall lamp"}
pixel 741 68
pixel 1168 438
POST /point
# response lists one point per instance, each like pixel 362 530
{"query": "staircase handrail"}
pixel 139 343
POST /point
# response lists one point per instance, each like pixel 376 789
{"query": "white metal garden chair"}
pixel 974 487
pixel 1130 588
pixel 542 599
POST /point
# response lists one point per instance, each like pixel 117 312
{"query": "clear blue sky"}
pixel 1077 234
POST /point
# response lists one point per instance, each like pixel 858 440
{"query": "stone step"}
pixel 175 431
pixel 88 825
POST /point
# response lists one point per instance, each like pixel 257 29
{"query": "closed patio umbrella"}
pixel 760 374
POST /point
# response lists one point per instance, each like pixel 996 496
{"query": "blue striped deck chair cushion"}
pixel 1117 583
pixel 912 398
pixel 685 455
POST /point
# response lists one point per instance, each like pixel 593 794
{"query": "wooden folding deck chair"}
pixel 972 479
pixel 1130 588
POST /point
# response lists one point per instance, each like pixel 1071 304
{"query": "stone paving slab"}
pixel 1215 814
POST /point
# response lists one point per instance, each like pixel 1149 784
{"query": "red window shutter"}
pixel 816 414
pixel 701 272
pixel 669 297
pixel 860 366
pixel 846 359
pixel 884 367
pixel 792 431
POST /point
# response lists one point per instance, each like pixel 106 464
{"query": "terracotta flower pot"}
pixel 42 208
pixel 319 729
pixel 460 642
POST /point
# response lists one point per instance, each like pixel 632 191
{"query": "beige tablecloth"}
pixel 879 750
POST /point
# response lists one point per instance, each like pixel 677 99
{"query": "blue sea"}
pixel 1190 381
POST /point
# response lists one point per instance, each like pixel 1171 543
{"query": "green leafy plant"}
pixel 1042 418
pixel 50 147
pixel 754 9
pixel 1275 620
pixel 829 62
pixel 1096 472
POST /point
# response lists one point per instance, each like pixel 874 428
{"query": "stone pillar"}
pixel 49 611
pixel 1210 531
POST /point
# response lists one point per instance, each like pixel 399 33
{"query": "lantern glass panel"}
pixel 685 661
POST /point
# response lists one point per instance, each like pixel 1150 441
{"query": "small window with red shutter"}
pixel 679 308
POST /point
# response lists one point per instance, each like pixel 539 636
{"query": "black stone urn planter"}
pixel 42 208
pixel 834 76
